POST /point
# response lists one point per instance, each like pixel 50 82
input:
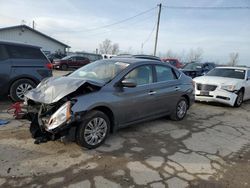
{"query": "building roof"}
pixel 31 29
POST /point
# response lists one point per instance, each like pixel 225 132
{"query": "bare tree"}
pixel 233 59
pixel 170 54
pixel 106 47
pixel 115 48
pixel 195 55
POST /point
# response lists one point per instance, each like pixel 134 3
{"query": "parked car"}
pixel 104 96
pixel 197 69
pixel 55 56
pixel 174 62
pixel 22 68
pixel 72 61
pixel 91 56
pixel 228 85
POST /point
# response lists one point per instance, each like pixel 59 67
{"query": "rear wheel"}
pixel 180 110
pixel 64 67
pixel 239 99
pixel 94 129
pixel 19 88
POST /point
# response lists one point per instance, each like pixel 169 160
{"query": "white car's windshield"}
pixel 229 73
pixel 100 71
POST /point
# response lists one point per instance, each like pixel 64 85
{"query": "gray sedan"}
pixel 104 96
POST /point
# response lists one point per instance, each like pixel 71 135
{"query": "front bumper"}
pixel 38 131
pixel 218 95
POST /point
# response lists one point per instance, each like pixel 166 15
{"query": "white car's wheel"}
pixel 239 99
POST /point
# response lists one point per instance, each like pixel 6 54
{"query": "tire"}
pixel 91 129
pixel 19 87
pixel 180 110
pixel 64 67
pixel 239 99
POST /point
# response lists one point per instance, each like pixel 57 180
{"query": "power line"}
pixel 205 8
pixel 121 27
pixel 122 21
pixel 150 34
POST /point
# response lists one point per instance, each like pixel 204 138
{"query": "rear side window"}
pixel 3 53
pixel 164 73
pixel 80 58
pixel 22 52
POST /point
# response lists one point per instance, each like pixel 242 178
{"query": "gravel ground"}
pixel 209 148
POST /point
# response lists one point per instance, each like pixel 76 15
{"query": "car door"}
pixel 82 61
pixel 137 103
pixel 167 89
pixel 72 62
pixel 5 64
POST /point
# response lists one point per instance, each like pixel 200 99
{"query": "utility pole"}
pixel 33 24
pixel 157 28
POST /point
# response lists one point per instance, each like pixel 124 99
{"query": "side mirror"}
pixel 128 82
pixel 248 78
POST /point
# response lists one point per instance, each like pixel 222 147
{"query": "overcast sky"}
pixel 76 23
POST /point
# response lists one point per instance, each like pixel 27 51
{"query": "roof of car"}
pixel 18 44
pixel 138 56
pixel 131 60
pixel 238 67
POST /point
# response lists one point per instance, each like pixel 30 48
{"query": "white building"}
pixel 27 35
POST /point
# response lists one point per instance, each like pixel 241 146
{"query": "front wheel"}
pixel 180 110
pixel 239 99
pixel 94 129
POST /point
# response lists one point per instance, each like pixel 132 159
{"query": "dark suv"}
pixel 22 68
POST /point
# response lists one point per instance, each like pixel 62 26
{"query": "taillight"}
pixel 49 65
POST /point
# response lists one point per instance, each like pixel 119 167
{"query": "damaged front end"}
pixel 50 122
pixel 51 116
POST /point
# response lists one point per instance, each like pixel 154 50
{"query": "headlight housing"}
pixel 61 116
pixel 228 87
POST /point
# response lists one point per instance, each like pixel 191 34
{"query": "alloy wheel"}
pixel 95 131
pixel 239 99
pixel 22 89
pixel 181 109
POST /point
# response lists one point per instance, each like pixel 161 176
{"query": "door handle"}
pixel 177 88
pixel 152 92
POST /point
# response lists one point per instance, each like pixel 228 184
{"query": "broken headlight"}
pixel 228 87
pixel 61 116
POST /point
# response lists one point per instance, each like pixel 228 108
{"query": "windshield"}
pixel 66 58
pixel 192 66
pixel 228 73
pixel 100 71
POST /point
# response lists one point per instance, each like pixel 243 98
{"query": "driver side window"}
pixel 142 75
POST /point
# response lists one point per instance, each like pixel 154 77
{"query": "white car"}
pixel 228 85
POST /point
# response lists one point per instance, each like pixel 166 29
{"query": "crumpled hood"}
pixel 215 80
pixel 53 89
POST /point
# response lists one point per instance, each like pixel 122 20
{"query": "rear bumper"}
pixel 56 66
pixel 218 95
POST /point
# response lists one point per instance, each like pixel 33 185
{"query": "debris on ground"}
pixel 17 110
pixel 3 122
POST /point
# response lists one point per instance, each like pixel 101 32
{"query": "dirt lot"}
pixel 209 148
